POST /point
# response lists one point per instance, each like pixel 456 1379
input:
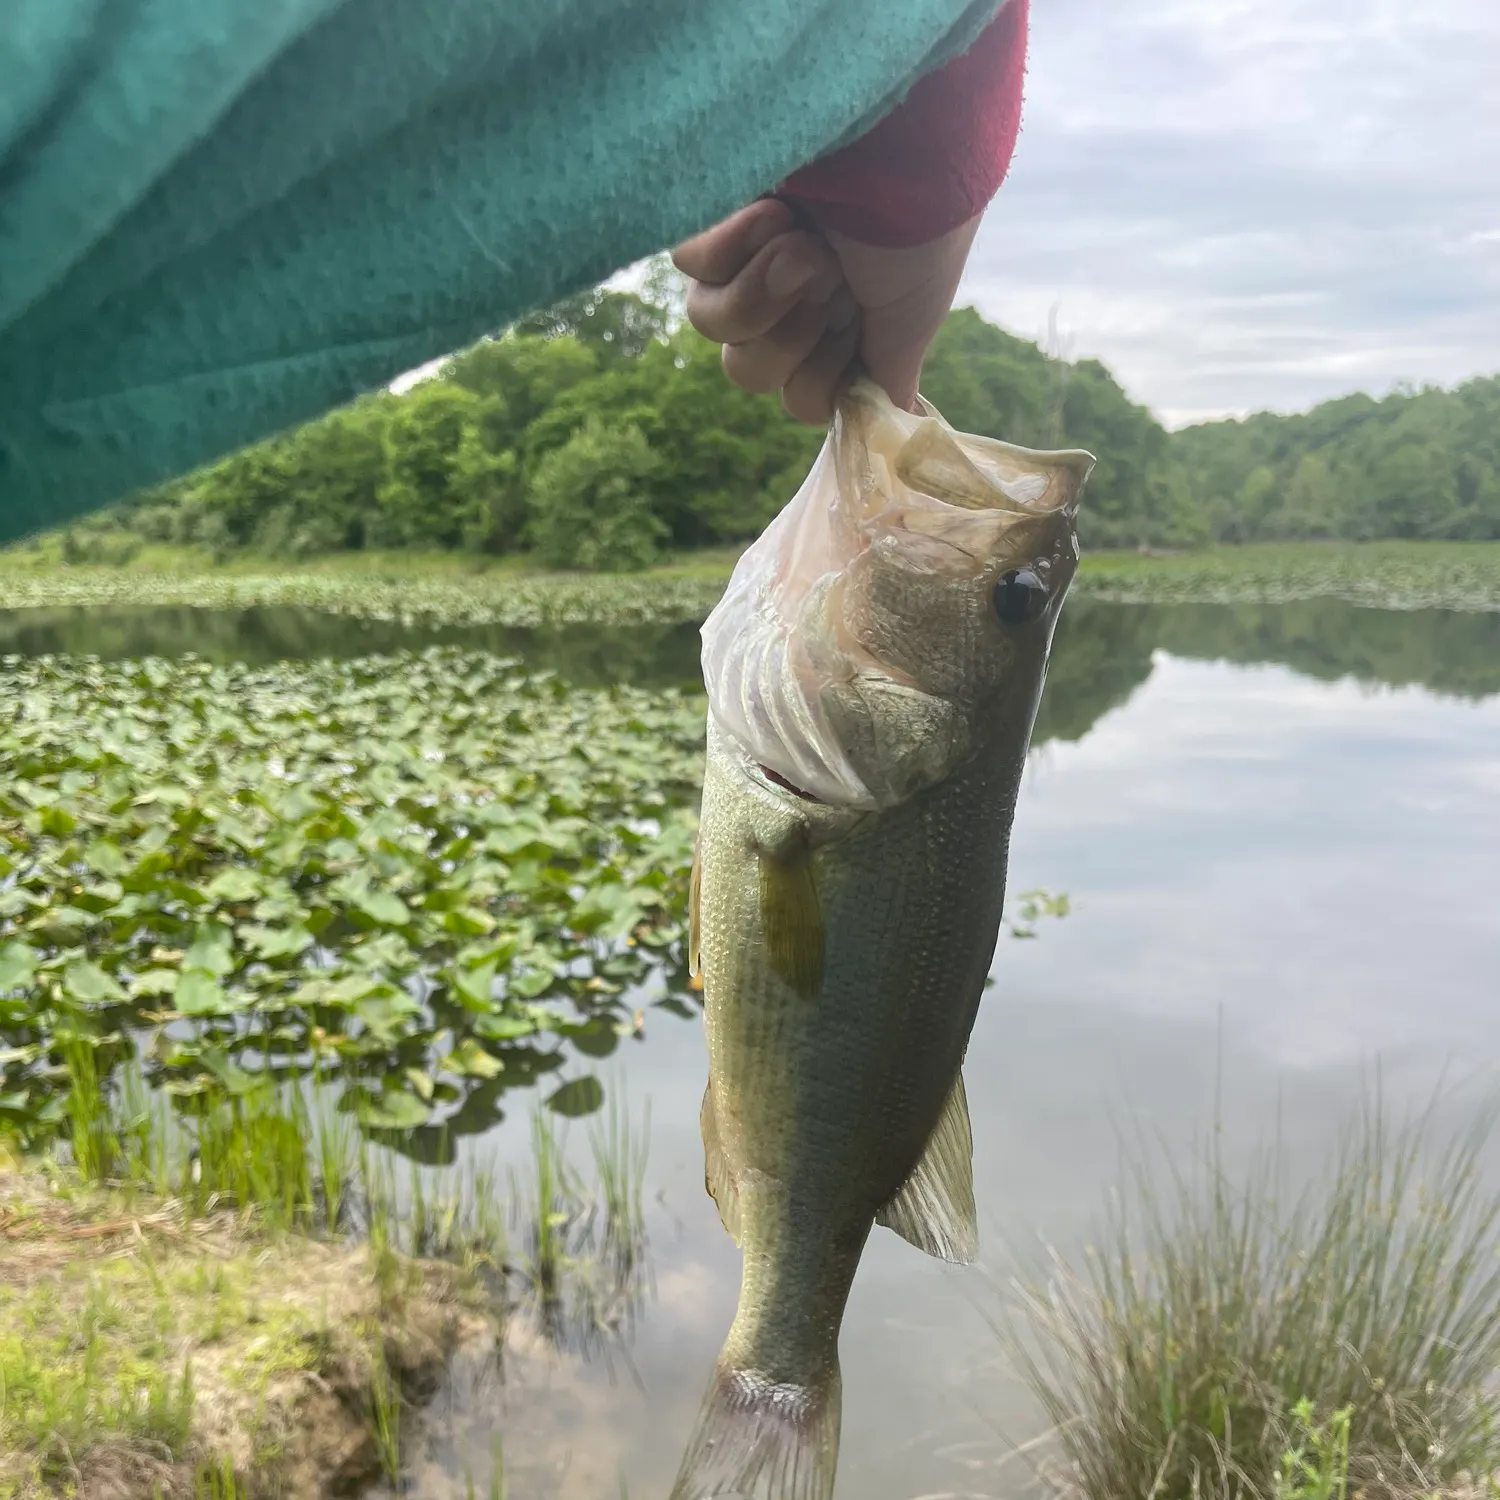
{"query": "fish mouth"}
pixel 952 503
pixel 777 779
pixel 926 457
pixel 898 511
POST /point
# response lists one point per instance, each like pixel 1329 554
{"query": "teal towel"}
pixel 222 217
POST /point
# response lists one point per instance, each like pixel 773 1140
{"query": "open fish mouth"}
pixel 899 527
pixel 777 779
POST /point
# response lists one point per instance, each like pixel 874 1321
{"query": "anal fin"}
pixel 717 1177
pixel 934 1209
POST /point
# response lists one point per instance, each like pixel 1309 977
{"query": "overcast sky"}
pixel 1250 204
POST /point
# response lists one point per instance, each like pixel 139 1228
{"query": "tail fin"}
pixel 763 1440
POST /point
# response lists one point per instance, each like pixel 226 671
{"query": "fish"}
pixel 873 672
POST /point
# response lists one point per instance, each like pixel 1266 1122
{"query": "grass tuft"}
pixel 620 1152
pixel 1238 1343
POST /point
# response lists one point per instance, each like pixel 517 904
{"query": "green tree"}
pixel 591 503
pixel 988 381
pixel 526 373
pixel 1418 464
pixel 1259 498
pixel 443 487
pixel 470 459
pixel 1312 499
pixel 332 472
pixel 728 461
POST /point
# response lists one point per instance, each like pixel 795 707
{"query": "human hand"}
pixel 795 308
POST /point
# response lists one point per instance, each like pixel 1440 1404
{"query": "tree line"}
pixel 1421 464
pixel 601 434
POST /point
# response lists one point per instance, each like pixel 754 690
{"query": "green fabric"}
pixel 222 217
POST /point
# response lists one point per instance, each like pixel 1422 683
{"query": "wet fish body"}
pixel 873 673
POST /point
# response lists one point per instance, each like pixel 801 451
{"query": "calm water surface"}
pixel 1280 830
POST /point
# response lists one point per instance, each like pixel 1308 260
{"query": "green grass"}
pixel 497 1489
pixel 410 596
pixel 620 1151
pixel 73 1375
pixel 1240 1342
pixel 138 1340
pixel 264 1149
pixel 385 1413
pixel 216 1481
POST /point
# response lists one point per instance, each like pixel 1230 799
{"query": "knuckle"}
pixel 704 308
pixel 743 313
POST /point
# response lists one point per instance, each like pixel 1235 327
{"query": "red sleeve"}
pixel 938 158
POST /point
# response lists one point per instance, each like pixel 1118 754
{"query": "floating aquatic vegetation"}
pixel 501 599
pixel 1386 575
pixel 1380 575
pixel 433 875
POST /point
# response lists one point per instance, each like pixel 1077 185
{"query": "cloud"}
pixel 1256 204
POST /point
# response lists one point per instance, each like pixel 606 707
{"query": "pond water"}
pixel 1279 828
pixel 652 655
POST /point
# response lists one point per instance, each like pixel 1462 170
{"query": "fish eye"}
pixel 1020 595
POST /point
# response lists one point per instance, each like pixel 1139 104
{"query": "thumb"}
pixel 892 357
pixel 904 294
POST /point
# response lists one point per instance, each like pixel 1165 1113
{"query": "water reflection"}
pixel 1103 652
pixel 588 655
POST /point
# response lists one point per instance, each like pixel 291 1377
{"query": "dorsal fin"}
pixel 934 1209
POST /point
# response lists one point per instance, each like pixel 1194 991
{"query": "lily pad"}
pixel 199 994
pixel 580 1096
pixel 17 965
pixel 308 859
pixel 85 982
pixel 394 1110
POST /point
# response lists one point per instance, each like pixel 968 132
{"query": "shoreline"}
pixel 453 590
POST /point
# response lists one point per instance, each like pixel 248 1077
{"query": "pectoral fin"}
pixel 934 1210
pixel 791 919
pixel 717 1177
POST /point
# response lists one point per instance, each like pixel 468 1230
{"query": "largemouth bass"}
pixel 873 672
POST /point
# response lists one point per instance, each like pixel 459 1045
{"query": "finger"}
pixel 814 388
pixel 766 364
pixel 894 345
pixel 897 371
pixel 720 253
pixel 792 267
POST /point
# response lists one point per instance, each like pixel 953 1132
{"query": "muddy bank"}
pixel 144 1353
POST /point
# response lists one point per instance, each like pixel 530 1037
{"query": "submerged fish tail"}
pixel 762 1438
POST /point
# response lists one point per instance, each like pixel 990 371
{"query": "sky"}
pixel 1244 205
